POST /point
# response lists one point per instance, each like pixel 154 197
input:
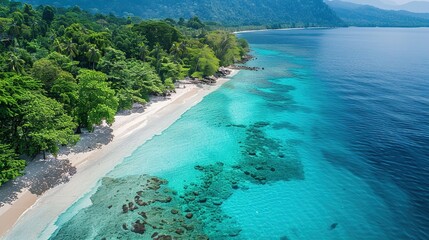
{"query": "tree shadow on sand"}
pixel 102 135
pixel 40 176
pixel 44 174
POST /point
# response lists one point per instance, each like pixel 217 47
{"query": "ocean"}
pixel 328 141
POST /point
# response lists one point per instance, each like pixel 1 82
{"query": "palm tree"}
pixel 15 64
pixel 183 48
pixel 15 31
pixel 70 49
pixel 157 54
pixel 175 51
pixel 93 56
pixel 58 46
pixel 35 28
pixel 143 51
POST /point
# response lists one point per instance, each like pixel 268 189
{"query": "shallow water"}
pixel 330 141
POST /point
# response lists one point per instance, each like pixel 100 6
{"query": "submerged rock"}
pixel 124 208
pixel 139 227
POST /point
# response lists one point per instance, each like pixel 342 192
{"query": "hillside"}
pixel 368 16
pixel 228 12
pixel 416 6
pixel 413 6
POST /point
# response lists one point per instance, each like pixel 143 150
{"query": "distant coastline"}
pixel 278 29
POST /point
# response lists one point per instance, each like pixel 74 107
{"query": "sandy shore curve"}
pixel 33 217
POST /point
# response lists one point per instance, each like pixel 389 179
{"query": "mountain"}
pixel 227 12
pixel 416 6
pixel 383 4
pixel 369 16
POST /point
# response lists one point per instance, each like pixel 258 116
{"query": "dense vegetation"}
pixel 65 69
pixel 368 16
pixel 270 13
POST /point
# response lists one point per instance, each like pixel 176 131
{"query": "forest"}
pixel 231 13
pixel 64 69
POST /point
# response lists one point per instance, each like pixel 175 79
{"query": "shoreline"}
pixel 279 29
pixel 41 212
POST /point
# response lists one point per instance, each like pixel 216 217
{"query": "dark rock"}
pixel 141 203
pixel 124 226
pixel 188 227
pixel 174 211
pixel 155 179
pixel 241 67
pixel 273 169
pixel 202 200
pixel 281 155
pixel 154 187
pixel 333 226
pixel 234 232
pixel 179 231
pixel 199 168
pixel 190 199
pixel 154 235
pixel 189 215
pixel 166 200
pixel 139 227
pixel 217 202
pixel 124 208
pixel 110 206
pixel 164 237
pixel 235 186
pixel 131 206
pixel 143 214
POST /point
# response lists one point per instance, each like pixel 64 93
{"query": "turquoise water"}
pixel 328 142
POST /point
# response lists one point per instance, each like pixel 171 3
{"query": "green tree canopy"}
pixel 46 72
pixel 225 46
pixel 45 126
pixel 48 14
pixel 97 101
pixel 10 166
pixel 203 62
pixel 158 32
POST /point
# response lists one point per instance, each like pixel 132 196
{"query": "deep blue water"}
pixel 329 141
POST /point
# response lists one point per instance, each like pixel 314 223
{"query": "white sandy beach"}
pixel 32 217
